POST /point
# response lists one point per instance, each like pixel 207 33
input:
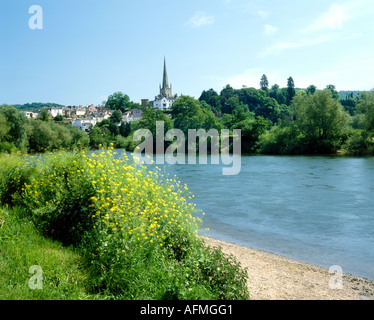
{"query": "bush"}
pixel 360 143
pixel 281 139
pixel 135 227
pixel 15 173
pixel 222 272
pixel 7 147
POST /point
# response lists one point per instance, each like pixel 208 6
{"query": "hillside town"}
pixel 84 117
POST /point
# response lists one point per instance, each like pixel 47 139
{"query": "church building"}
pixel 164 101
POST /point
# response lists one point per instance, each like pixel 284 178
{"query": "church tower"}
pixel 164 101
pixel 165 90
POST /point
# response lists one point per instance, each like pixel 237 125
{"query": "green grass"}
pixel 22 246
pixel 120 231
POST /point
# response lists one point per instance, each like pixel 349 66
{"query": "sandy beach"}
pixel 273 277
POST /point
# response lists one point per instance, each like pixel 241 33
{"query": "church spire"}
pixel 165 82
pixel 165 90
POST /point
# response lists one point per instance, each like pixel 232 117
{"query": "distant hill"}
pixel 344 94
pixel 36 106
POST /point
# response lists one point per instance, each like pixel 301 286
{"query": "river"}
pixel 317 209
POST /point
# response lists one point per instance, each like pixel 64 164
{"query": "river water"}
pixel 316 209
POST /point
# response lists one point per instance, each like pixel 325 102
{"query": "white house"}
pixel 132 115
pixel 31 114
pixel 84 124
pixel 100 116
pixel 56 112
pixel 163 103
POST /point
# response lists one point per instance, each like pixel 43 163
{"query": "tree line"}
pixel 19 133
pixel 35 106
pixel 273 120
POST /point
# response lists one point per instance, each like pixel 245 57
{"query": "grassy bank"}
pixel 133 230
pixel 21 247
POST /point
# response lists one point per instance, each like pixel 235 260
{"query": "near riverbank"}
pixel 273 277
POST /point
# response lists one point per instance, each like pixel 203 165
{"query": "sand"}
pixel 273 277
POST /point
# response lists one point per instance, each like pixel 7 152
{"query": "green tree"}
pixel 283 138
pixel 282 96
pixel 240 114
pixel 230 105
pixel 268 110
pixel 290 90
pixel 227 93
pixel 208 95
pixel 311 89
pixel 5 146
pixel 58 118
pixel 17 123
pixel 79 139
pixel 360 143
pixel 4 128
pixel 188 113
pixel 322 121
pixel 251 132
pixel 274 91
pixel 44 115
pixel 264 83
pixel 99 136
pixel 212 98
pixel 252 97
pixel 366 107
pixel 149 119
pixel 116 117
pixel 119 101
pixel 349 105
pixel 63 136
pixel 125 129
pixel 42 137
pixel 334 93
pixel 185 106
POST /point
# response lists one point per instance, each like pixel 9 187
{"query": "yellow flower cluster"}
pixel 126 201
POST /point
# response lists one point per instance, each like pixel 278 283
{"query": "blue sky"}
pixel 89 49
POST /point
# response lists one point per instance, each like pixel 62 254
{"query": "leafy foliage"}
pixel 135 227
pixel 322 121
pixel 35 106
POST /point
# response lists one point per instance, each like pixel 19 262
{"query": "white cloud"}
pixel 327 27
pixel 353 73
pixel 270 30
pixel 333 19
pixel 339 14
pixel 200 19
pixel 278 47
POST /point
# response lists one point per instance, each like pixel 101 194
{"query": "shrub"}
pixel 7 147
pixel 360 143
pixel 281 139
pixel 134 225
pixel 15 173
